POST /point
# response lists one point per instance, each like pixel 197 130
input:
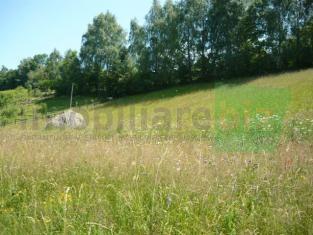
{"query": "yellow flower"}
pixel 46 220
pixel 7 210
pixel 303 177
pixel 65 197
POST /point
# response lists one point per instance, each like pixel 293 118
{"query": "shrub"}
pixel 11 104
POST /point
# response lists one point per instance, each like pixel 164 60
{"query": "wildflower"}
pixel 33 220
pixel 66 197
pixel 136 177
pixel 46 220
pixel 168 200
pixel 248 163
pixel 7 210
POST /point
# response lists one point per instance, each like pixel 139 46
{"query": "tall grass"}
pixel 80 185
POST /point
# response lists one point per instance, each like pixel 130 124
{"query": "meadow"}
pixel 226 158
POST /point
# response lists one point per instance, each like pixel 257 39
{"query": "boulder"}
pixel 68 119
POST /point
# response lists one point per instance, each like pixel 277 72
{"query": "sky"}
pixel 29 27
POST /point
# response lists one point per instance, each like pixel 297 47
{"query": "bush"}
pixel 43 109
pixel 8 114
pixel 11 104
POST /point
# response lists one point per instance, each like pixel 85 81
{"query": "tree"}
pixel 101 47
pixel 154 37
pixel 171 56
pixel 27 67
pixel 224 18
pixel 9 80
pixel 187 45
pixel 37 76
pixel 37 79
pixel 122 71
pixel 53 66
pixel 200 9
pixel 139 53
pixel 70 73
pixel 137 43
pixel 301 15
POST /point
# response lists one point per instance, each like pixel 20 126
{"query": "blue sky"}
pixel 29 27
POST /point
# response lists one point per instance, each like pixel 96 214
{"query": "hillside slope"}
pixel 260 110
pixel 292 92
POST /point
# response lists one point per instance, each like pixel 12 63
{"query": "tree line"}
pixel 180 42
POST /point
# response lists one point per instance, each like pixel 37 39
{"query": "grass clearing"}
pixel 189 175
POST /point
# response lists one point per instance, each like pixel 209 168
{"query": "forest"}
pixel 181 42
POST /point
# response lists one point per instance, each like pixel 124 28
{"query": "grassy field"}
pixel 201 159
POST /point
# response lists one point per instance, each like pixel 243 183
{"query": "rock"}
pixel 68 119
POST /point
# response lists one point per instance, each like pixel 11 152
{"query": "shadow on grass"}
pixel 159 95
pixel 57 104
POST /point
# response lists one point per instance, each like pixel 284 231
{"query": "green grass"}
pixel 249 116
pixel 246 168
pixel 128 186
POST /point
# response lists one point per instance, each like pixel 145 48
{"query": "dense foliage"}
pixel 12 103
pixel 181 42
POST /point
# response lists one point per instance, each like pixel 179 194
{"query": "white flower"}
pixel 168 200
